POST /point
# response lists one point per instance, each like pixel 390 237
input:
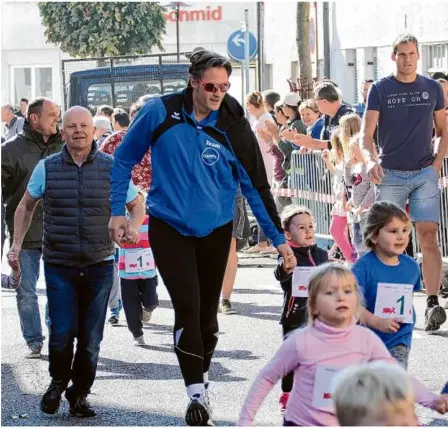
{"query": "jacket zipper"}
pixel 81 219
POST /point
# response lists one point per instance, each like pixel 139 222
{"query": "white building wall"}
pixel 365 25
pixel 25 44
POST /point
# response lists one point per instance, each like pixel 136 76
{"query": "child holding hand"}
pixel 298 224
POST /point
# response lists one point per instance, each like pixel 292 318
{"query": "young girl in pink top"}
pixel 331 342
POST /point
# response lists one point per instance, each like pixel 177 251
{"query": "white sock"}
pixel 206 380
pixel 195 389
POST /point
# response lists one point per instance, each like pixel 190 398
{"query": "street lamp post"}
pixel 176 5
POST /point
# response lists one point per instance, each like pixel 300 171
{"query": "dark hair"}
pixel 326 91
pixel 122 117
pixel 271 97
pixel 255 98
pixel 35 106
pixel 439 75
pixel 105 110
pixel 201 60
pixel 25 100
pixel 379 215
pixel 404 38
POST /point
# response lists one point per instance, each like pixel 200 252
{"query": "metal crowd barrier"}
pixel 310 185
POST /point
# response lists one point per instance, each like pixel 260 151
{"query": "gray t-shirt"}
pixel 406 120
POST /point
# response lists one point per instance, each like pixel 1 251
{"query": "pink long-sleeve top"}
pixel 315 354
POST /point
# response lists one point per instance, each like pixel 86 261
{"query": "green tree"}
pixel 100 29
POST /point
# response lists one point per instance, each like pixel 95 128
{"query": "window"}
pixel 127 93
pixel 438 58
pixel 32 81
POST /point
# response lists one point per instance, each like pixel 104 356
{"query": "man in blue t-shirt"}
pixel 405 106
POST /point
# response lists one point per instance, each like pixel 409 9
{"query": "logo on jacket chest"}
pixel 210 156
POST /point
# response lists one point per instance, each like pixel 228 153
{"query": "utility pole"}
pixel 246 48
pixel 326 22
pixel 260 38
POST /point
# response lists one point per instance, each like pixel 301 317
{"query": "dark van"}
pixel 121 86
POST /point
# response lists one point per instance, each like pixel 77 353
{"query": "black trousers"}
pixel 192 269
pixel 288 380
pixel 137 294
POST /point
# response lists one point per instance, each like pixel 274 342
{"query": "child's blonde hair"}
pixel 349 125
pixel 365 394
pixel 320 278
pixel 337 151
pixel 379 215
pixel 289 212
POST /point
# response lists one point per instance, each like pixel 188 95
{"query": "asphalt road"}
pixel 143 386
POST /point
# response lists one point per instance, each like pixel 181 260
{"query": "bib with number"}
pixel 322 394
pixel 138 260
pixel 394 300
pixel 300 278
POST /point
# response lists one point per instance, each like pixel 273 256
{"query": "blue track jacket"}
pixel 196 166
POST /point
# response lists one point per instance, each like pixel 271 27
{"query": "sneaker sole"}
pixel 49 411
pixel 229 312
pixel 33 356
pixel 200 414
pixel 437 319
pixel 80 415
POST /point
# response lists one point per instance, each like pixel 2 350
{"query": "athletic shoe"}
pixel 270 250
pixel 51 400
pixel 35 350
pixel 226 307
pixel 113 320
pixel 79 405
pixel 146 315
pixel 434 318
pixel 139 341
pixel 199 412
pixel 284 398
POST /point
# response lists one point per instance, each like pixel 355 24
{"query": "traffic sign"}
pixel 235 45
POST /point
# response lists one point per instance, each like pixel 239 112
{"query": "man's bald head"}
pixel 77 129
pixel 76 112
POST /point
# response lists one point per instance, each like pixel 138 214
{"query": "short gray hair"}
pixel 404 38
pixel 101 122
pixel 362 393
pixel 9 107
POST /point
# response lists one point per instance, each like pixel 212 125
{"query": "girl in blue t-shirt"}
pixel 388 278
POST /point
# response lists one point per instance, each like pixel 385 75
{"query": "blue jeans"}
pixel 421 187
pixel 445 389
pixel 27 303
pixel 77 306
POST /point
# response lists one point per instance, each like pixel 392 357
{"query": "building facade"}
pixel 360 35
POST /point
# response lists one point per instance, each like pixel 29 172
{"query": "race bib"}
pixel 138 260
pixel 394 300
pixel 300 278
pixel 322 394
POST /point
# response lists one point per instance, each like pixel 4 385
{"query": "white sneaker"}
pixel 139 341
pixel 146 315
pixel 199 412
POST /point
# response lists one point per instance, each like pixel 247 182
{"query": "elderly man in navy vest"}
pixel 78 255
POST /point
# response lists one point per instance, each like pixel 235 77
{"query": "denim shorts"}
pixel 420 187
pixel 239 219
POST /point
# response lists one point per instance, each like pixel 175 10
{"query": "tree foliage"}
pixel 100 29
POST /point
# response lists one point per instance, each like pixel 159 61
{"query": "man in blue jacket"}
pixel 202 147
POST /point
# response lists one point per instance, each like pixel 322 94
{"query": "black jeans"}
pixel 136 294
pixel 77 306
pixel 192 269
